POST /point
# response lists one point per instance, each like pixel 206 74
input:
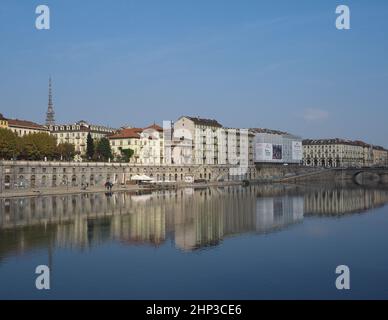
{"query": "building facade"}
pixel 279 147
pixel 77 133
pixel 22 127
pixel 204 136
pixel 380 156
pixel 147 144
pixel 342 153
pixel 206 141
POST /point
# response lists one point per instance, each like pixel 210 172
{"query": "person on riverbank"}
pixel 109 185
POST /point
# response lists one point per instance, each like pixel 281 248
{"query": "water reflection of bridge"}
pixel 193 219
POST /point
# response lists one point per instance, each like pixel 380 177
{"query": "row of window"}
pixel 135 142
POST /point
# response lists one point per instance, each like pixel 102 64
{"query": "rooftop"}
pixel 204 122
pixel 133 133
pixel 25 124
pixel 83 126
pixel 155 127
pixel 275 132
pixel 340 141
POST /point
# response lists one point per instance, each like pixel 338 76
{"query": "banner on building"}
pixel 297 150
pixel 263 151
pixel 277 152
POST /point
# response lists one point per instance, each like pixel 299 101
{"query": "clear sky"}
pixel 276 64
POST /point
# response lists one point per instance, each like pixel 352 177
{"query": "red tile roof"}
pixel 25 124
pixel 133 133
pixel 155 127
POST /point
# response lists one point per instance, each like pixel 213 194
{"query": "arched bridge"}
pixel 360 176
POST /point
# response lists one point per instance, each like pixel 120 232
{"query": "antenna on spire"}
pixel 50 120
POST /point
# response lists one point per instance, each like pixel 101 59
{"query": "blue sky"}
pixel 277 64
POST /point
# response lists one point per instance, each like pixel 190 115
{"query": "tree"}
pixel 9 144
pixel 103 150
pixel 65 151
pixel 89 147
pixel 38 146
pixel 126 154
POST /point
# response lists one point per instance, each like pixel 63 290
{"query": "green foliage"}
pixel 126 154
pixel 38 146
pixel 35 146
pixel 89 147
pixel 103 150
pixel 9 144
pixel 66 151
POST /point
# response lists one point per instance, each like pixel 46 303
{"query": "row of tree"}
pixel 36 146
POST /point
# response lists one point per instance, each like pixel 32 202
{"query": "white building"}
pixel 203 134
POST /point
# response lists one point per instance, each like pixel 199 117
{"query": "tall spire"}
pixel 50 120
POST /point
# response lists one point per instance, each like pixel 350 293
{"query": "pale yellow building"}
pixel 147 144
pixel 380 156
pixel 3 122
pixel 342 153
pixel 23 127
pixel 77 133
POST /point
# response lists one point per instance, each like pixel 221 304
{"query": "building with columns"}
pixel 342 153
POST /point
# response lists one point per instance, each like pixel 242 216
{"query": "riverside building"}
pixel 204 137
pixel 147 144
pixel 206 141
pixel 342 153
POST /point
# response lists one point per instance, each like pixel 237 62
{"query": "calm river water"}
pixel 255 242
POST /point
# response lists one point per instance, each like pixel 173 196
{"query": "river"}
pixel 254 242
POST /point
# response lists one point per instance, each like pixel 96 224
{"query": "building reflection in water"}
pixel 193 219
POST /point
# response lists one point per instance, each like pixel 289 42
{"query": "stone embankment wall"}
pixel 40 175
pixel 29 175
pixel 271 172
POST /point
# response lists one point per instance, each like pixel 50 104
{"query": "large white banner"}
pixel 297 150
pixel 264 151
